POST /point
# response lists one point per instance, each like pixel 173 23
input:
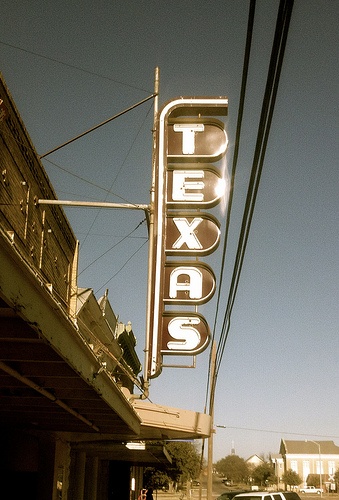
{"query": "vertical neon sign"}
pixel 189 139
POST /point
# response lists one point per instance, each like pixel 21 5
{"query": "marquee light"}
pixel 136 445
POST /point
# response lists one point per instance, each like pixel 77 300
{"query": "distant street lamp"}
pixel 320 474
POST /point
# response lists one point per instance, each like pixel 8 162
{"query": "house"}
pixel 311 460
pixel 254 460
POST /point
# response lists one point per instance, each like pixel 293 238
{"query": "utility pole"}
pixel 320 470
pixel 210 439
pixel 151 226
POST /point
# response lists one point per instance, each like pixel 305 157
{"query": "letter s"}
pixel 182 329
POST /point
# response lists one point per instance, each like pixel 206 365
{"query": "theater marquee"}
pixel 190 142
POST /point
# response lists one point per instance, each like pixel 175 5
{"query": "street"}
pixel 218 488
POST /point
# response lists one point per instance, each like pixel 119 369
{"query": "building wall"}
pixel 27 465
pixel 310 464
pixel 41 233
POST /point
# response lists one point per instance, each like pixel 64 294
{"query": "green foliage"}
pixel 157 479
pixel 185 461
pixel 185 466
pixel 291 478
pixel 233 467
pixel 314 480
pixel 263 474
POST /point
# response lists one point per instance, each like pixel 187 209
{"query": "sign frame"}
pixel 181 108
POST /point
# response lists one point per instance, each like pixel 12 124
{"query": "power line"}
pixel 81 178
pixel 78 68
pixel 272 83
pixel 111 248
pixel 121 268
pixel 247 53
pixel 121 167
pixel 283 433
pixel 85 133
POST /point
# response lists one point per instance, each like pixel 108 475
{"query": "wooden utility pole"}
pixel 210 439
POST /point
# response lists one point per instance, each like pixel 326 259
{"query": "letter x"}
pixel 187 234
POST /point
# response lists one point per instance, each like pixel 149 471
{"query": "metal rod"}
pixel 99 125
pixel 95 204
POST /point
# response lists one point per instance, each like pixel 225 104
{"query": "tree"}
pixel 314 480
pixel 185 466
pixel 233 467
pixel 263 474
pixel 291 478
pixel 157 479
pixel 185 461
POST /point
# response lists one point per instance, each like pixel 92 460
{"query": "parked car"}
pixel 267 495
pixel 226 482
pixel 311 489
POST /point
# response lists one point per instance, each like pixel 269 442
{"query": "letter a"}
pixel 193 286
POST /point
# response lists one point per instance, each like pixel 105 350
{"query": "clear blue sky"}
pixel 70 65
